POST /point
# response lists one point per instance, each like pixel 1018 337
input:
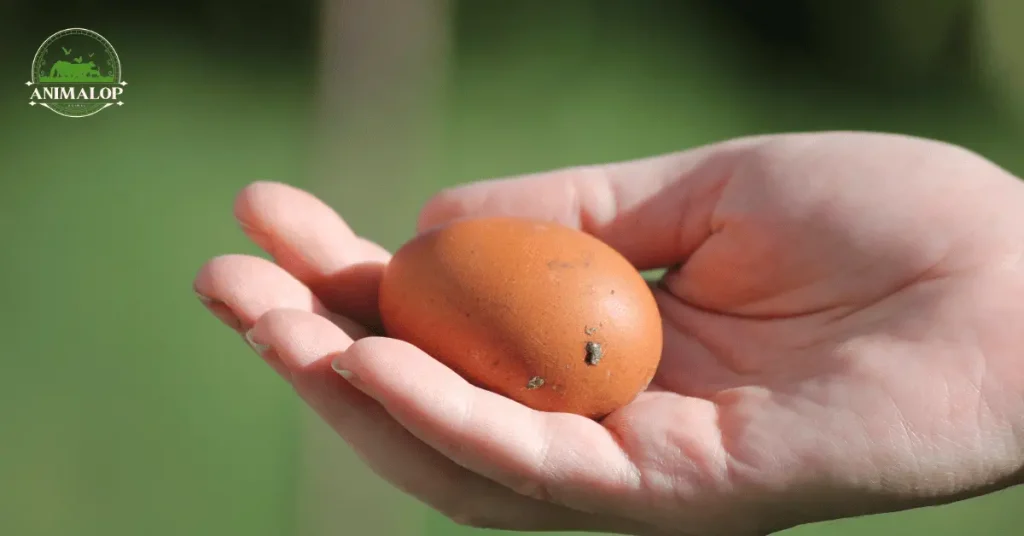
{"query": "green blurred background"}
pixel 128 410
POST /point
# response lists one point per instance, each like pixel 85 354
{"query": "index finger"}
pixel 312 242
pixel 655 211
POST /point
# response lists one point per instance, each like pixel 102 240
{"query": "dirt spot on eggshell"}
pixel 594 353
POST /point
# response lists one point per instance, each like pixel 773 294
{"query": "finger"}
pixel 655 211
pixel 305 344
pixel 309 240
pixel 567 459
pixel 244 288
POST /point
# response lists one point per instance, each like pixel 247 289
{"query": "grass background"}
pixel 128 410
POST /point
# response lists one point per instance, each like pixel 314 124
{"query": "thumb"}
pixel 654 211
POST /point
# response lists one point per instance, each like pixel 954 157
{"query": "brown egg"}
pixel 538 312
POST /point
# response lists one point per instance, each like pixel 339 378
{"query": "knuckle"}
pixel 536 482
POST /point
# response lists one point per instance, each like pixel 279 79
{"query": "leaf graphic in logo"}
pixel 67 51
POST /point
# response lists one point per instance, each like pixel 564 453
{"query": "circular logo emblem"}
pixel 76 73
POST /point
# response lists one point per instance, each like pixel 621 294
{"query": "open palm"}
pixel 841 337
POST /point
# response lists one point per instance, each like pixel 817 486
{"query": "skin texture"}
pixel 841 337
pixel 511 304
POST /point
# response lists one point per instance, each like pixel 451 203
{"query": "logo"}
pixel 76 73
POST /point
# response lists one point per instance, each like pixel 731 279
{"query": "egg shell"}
pixel 541 313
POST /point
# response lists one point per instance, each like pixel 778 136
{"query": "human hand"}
pixel 841 324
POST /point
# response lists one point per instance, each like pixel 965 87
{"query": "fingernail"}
pixel 340 369
pixel 269 356
pixel 221 311
pixel 260 349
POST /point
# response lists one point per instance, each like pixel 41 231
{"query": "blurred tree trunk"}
pixel 1000 44
pixel 380 104
pixel 381 76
